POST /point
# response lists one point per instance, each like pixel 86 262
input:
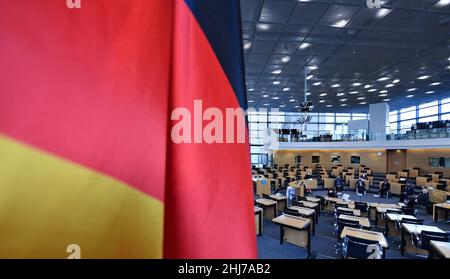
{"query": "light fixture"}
pixel 322 101
pixel 341 23
pixel 263 26
pixel 411 89
pixel 276 82
pixel 367 86
pixel 382 95
pixel 343 105
pixel 409 96
pixel 383 79
pixel 266 104
pixel 383 91
pixel 343 100
pixel 286 89
pixel 297 107
pixel 285 59
pixel 282 106
pixel 323 94
pixel 448 67
pixel 356 84
pixel 265 96
pixel 317 83
pixel 250 101
pixel 275 98
pixel 292 100
pixel 442 3
pixel 382 13
pixel 363 103
pixel 389 85
pixel 312 68
pixel 361 98
pixel 304 45
pixel 340 94
pixel 247 45
pixel 353 92
pixel 423 77
pixel 386 100
pixel 395 81
pixel 329 106
pixel 335 85
pixel 308 94
pixel 276 72
pixel 429 92
pixel 309 77
pixel 372 90
pixel 435 83
pixel 251 89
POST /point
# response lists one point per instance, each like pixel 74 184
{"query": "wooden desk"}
pixel 328 183
pixel 408 230
pixel 421 180
pixel 307 213
pixel 440 207
pixel 355 212
pixel 258 220
pixel 380 210
pixel 269 207
pixel 413 173
pixel 363 221
pixel 262 186
pixel 314 206
pixel 390 220
pixel 352 183
pixel 369 235
pixel 311 199
pixel 438 196
pixel 294 230
pixel 281 201
pixel 434 177
pixel 440 249
pixel 391 177
pixel 396 188
pixel 402 174
pixel 311 183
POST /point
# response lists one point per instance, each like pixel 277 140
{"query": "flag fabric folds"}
pixel 86 155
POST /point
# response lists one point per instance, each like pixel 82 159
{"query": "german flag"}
pixel 86 154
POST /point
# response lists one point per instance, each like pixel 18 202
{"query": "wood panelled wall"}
pixel 370 158
pixel 414 158
pixel 420 158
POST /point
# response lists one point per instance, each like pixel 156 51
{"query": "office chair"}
pixel 359 248
pixel 341 205
pixel 292 212
pixel 265 196
pixel 422 241
pixel 297 203
pixel 398 226
pixel 408 211
pixel 337 213
pixel 340 226
pixel 362 206
pixel 301 198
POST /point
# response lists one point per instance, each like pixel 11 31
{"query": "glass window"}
pixel 428 111
pixel 407 114
pixel 342 117
pixel 393 116
pixel 445 101
pixel 445 108
pixel 435 103
pixel 445 116
pixel 357 116
pixel 428 119
pixel 407 124
pixel 326 118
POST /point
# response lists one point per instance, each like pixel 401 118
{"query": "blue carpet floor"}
pixel 323 242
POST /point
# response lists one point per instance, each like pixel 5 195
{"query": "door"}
pixel 396 160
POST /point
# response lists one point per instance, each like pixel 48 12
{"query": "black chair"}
pixel 408 211
pixel 301 198
pixel 358 248
pixel 362 207
pixel 345 205
pixel 292 212
pixel 339 227
pixel 422 241
pixel 265 196
pixel 296 203
pixel 412 221
pixel 344 212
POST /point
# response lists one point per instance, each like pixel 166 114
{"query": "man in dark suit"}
pixel 385 187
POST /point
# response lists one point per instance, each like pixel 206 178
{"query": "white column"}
pixel 379 120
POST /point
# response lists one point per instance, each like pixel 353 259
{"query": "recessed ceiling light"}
pixel 389 85
pixel 329 106
pixel 309 77
pixel 341 23
pixel 312 68
pixel 265 96
pixel 250 101
pixel 343 105
pixel 361 98
pixel 436 83
pixel 263 26
pixel 247 45
pixel 308 94
pixel 423 77
pixel 322 101
pixel 386 100
pixel 285 59
pixel 411 89
pixel 372 90
pixel 296 106
pixel 266 104
pixel 340 94
pixel 395 81
pixel 356 84
pixel 335 85
pixel 323 94
pixel 276 82
pixel 367 86
pixel 383 79
pixel 304 45
pixel 409 96
pixel 429 92
pixel 343 100
pixel 276 72
pixel 275 98
pixel 286 89
pixel 442 3
pixel 448 67
pixel 251 89
pixel 363 103
pixel 383 91
pixel 353 92
pixel 292 100
pixel 282 106
pixel 383 12
pixel 382 95
pixel 317 83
